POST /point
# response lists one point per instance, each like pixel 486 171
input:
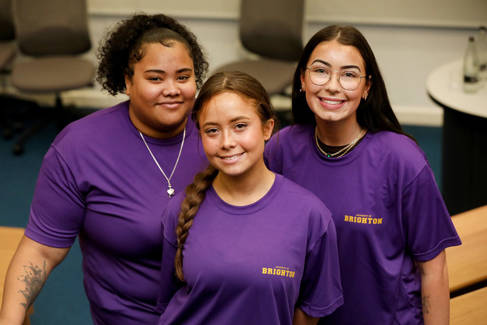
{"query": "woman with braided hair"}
pixel 247 246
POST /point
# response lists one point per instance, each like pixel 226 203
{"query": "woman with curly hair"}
pixel 107 176
pixel 247 246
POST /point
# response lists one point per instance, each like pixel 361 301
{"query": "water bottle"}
pixel 471 68
pixel 481 44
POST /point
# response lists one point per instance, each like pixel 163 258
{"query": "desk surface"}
pixel 467 263
pixel 469 309
pixel 445 85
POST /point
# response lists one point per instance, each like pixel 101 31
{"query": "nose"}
pixel 171 89
pixel 227 140
pixel 333 85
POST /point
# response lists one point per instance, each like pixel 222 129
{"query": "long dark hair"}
pixel 243 85
pixel 375 113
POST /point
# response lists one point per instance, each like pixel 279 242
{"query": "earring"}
pixel 364 96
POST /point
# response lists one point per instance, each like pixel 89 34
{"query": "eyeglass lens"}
pixel 349 80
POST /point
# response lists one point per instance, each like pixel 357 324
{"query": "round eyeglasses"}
pixel 348 80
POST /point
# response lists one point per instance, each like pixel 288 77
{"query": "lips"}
pixel 170 104
pixel 332 101
pixel 231 158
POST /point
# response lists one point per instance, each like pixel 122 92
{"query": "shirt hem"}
pixel 47 241
pixel 432 253
pixel 318 312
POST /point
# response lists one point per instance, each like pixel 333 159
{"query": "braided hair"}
pixel 235 82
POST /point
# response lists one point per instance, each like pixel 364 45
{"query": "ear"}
pixel 268 127
pixel 368 85
pixel 128 85
pixel 303 83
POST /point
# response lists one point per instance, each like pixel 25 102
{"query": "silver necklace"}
pixel 342 152
pixel 170 190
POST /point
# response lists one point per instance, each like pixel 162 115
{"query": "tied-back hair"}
pixel 375 113
pixel 195 194
pixel 123 46
pixel 243 85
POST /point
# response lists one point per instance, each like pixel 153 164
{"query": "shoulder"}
pixel 102 128
pixel 397 149
pixel 293 132
pixel 291 141
pixel 99 123
pixel 296 198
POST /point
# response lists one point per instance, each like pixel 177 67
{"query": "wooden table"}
pixel 467 263
pixel 469 309
pixel 9 240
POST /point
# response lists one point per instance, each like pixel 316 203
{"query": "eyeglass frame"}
pixel 334 70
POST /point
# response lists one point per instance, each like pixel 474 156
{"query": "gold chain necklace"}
pixel 343 151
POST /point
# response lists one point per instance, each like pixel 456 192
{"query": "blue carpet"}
pixel 62 300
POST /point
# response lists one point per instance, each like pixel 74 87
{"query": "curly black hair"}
pixel 123 43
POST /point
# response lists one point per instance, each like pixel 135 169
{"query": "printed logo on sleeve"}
pixel 363 219
pixel 278 271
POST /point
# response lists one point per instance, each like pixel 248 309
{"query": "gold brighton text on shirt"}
pixel 278 270
pixel 364 219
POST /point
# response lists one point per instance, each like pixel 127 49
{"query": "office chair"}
pixel 52 34
pixel 7 53
pixel 271 29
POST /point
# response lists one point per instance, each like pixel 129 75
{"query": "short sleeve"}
pixel 57 209
pixel 321 290
pixel 427 222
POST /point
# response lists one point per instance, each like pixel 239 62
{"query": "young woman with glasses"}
pixel 348 148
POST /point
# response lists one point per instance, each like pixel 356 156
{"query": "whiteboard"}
pixel 447 13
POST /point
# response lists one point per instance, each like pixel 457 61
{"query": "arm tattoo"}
pixel 34 278
pixel 426 305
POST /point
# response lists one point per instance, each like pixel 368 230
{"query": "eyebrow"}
pixel 162 71
pixel 350 66
pixel 238 118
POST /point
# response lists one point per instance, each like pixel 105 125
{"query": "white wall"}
pixel 407 49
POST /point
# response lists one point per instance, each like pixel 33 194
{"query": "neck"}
pixel 337 133
pixel 162 133
pixel 244 189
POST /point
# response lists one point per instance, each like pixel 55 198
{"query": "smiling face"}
pixel 162 89
pixel 233 135
pixel 330 102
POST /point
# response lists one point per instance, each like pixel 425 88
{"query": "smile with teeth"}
pixel 332 101
pixel 232 157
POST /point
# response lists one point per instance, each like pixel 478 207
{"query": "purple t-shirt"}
pixel 99 181
pixel 388 213
pixel 252 264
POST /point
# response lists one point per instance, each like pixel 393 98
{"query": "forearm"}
pixel 25 277
pixel 300 318
pixel 435 293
